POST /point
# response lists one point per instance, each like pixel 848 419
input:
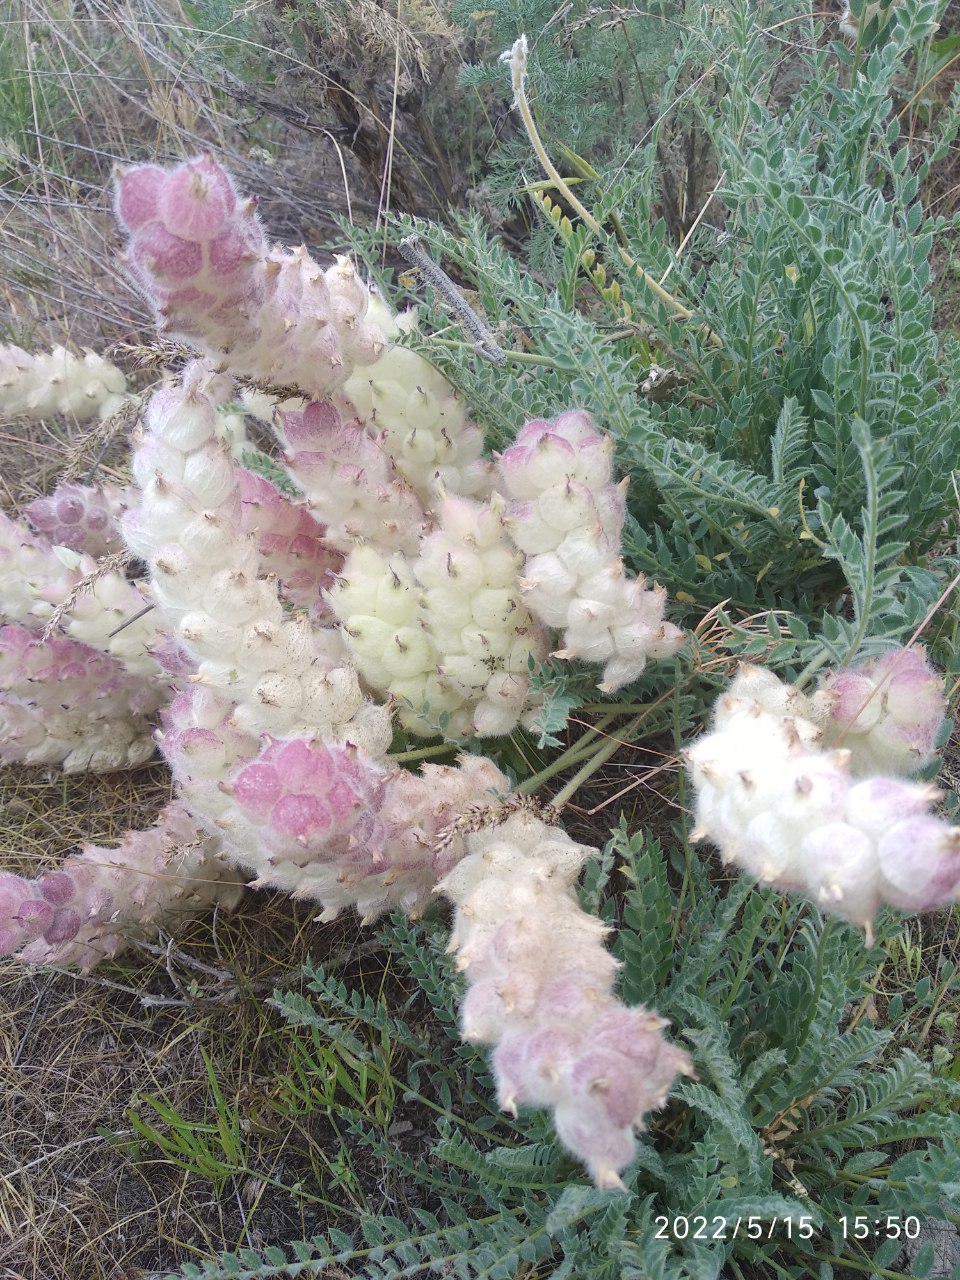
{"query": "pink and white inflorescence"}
pixel 201 257
pixel 292 544
pixel 67 704
pixel 541 991
pixel 567 517
pixel 887 712
pixel 80 913
pixel 416 416
pixel 39 386
pixel 82 517
pixel 793 815
pixel 349 481
pixel 321 819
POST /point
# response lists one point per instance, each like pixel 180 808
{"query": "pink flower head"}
pixel 319 427
pixel 23 916
pixel 137 195
pixel 919 861
pixel 291 543
pixel 46 909
pixel 547 453
pixel 201 257
pixel 312 796
pixel 888 711
pixel 196 252
pixel 196 199
pixel 81 517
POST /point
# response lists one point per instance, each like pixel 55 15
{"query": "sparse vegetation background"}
pixel 788 410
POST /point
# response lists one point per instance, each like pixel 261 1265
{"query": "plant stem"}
pixel 682 801
pixel 603 754
pixel 517 60
pixel 423 753
pixel 518 357
pixel 573 754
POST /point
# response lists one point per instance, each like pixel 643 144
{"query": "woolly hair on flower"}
pixel 349 481
pixel 887 712
pixel 79 914
pixel 82 517
pixel 567 517
pixel 446 633
pixel 64 703
pixel 473 609
pixel 540 990
pixel 33 576
pixel 792 815
pixel 39 386
pixel 274 745
pixel 201 257
pixel 416 416
pixel 292 544
pixel 37 578
pixel 281 674
pixel 317 817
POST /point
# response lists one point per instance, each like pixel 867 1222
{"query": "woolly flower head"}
pixel 567 516
pixel 201 257
pixel 81 517
pixel 67 704
pixel 888 712
pixel 416 416
pixel 792 815
pixel 82 912
pixel 540 991
pixel 308 795
pixel 39 386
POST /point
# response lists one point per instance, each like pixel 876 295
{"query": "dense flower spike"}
pixel 82 517
pixel 32 575
pixel 349 480
pixel 474 613
pixel 791 815
pixel 292 544
pixel 80 913
pixel 321 819
pixel 417 417
pixel 887 712
pixel 423 813
pixel 36 578
pixel 282 674
pixel 541 991
pixel 446 633
pixel 37 387
pixel 567 517
pixel 309 803
pixel 201 257
pixel 378 600
pixel 64 703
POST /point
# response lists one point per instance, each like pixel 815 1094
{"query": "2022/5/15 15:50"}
pixel 803 1227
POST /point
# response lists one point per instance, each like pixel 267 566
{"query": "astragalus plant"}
pixel 388 589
